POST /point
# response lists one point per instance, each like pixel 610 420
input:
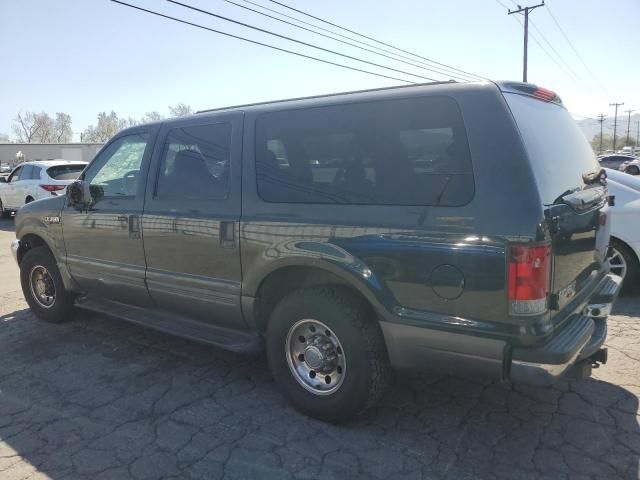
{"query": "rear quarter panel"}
pixel 413 253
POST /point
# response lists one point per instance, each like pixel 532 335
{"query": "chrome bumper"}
pixel 15 245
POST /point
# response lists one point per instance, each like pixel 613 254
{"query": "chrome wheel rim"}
pixel 618 263
pixel 43 290
pixel 315 357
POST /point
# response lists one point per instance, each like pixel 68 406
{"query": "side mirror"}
pixel 76 197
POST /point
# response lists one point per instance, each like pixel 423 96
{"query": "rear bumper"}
pixel 579 341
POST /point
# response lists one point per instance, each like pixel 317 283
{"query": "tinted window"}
pixel 116 171
pixel 65 172
pixel 195 162
pixel 558 150
pixel 35 173
pixel 25 173
pixel 401 152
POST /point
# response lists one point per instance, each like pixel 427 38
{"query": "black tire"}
pixel 62 306
pixel 367 369
pixel 633 170
pixel 3 213
pixel 633 267
pixel 28 200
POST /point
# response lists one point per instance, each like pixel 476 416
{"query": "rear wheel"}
pixel 623 263
pixel 28 200
pixel 633 170
pixel 43 288
pixel 3 213
pixel 327 353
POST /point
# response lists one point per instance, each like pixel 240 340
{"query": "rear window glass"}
pixel 400 152
pixel 65 172
pixel 558 150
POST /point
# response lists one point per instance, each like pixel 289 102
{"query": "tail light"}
pixel 603 219
pixel 544 94
pixel 529 279
pixel 52 188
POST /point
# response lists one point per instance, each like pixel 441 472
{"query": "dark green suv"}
pixel 459 227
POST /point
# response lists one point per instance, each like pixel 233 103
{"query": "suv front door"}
pixel 191 220
pixel 104 247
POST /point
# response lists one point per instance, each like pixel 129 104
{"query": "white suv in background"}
pixel 31 181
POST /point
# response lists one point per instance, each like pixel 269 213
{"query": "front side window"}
pixel 195 162
pixel 116 172
pixel 400 152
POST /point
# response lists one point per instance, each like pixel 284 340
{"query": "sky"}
pixel 84 57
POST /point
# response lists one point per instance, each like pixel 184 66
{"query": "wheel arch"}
pixel 280 281
pixel 627 244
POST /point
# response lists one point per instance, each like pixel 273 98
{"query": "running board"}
pixel 175 324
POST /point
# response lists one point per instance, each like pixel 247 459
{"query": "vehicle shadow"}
pixel 101 398
pixel 7 225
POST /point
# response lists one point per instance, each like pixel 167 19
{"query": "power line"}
pixel 291 39
pixel 393 56
pixel 372 39
pixel 255 42
pixel 570 71
pixel 343 36
pixel 574 50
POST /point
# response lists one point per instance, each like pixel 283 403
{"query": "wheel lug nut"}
pixel 301 357
pixel 312 374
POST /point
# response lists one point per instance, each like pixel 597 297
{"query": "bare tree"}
pixel 108 125
pixel 45 133
pixel 62 130
pixel 26 127
pixel 151 117
pixel 180 110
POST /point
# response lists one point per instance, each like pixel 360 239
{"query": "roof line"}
pixel 327 95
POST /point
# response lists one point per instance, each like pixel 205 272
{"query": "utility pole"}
pixel 526 11
pixel 615 123
pixel 628 124
pixel 601 120
pixel 637 133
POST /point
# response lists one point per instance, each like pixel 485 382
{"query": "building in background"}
pixel 13 153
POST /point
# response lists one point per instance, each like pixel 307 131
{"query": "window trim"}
pixel 161 157
pixel 356 103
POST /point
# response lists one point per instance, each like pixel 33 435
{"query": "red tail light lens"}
pixel 52 188
pixel 603 219
pixel 529 268
pixel 544 94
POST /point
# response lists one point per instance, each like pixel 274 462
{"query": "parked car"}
pixel 5 168
pixel 490 261
pixel 631 166
pixel 31 181
pixel 615 161
pixel 625 227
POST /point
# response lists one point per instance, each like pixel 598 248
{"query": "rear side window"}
pixel 195 162
pixel 396 152
pixel 35 173
pixel 558 150
pixel 65 172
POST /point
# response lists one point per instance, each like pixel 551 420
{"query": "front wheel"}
pixel 42 286
pixel 327 353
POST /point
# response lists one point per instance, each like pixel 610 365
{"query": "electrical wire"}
pixel 373 39
pixel 451 73
pixel 291 39
pixel 392 56
pixel 255 42
pixel 575 50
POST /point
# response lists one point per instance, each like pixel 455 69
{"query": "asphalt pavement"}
pixel 98 398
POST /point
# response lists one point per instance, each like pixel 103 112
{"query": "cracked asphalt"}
pixel 97 398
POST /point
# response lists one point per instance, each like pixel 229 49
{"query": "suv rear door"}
pixel 191 219
pixel 560 157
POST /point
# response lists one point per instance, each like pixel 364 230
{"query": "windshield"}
pixel 557 148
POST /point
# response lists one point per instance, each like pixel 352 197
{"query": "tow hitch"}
pixel 583 369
